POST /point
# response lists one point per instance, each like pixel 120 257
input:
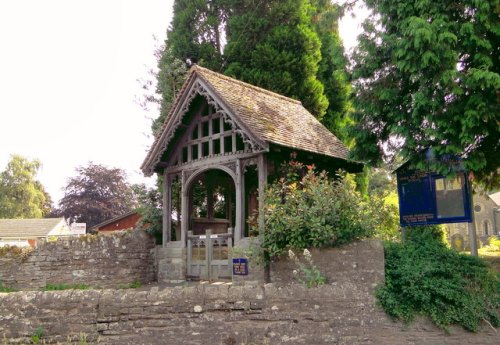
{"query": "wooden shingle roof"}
pixel 27 228
pixel 269 117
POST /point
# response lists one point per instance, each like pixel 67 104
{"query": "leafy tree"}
pixel 21 194
pixel 271 44
pixel 150 208
pixel 96 194
pixel 427 76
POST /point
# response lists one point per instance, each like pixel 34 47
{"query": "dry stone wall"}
pixel 97 261
pixel 343 311
pixel 208 314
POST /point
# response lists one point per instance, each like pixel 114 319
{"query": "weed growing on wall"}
pixel 58 287
pixel 37 335
pixel 423 276
pixel 307 272
pixel 5 288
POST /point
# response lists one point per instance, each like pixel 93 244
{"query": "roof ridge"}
pixel 242 83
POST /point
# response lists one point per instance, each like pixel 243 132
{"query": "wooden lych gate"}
pixel 209 255
pixel 222 140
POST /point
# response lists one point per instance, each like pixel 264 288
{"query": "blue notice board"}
pixel 240 266
pixel 427 198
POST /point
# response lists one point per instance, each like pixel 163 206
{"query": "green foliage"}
pixel 312 211
pixel 38 335
pixel 196 31
pixel 423 276
pixel 427 76
pixel 171 75
pixel 272 44
pixel 96 194
pixel 150 208
pixel 58 287
pixel 134 285
pixel 384 210
pixel 21 194
pixel 332 71
pixel 493 245
pixel 5 288
pixel 307 271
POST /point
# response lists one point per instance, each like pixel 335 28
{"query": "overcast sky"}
pixel 68 82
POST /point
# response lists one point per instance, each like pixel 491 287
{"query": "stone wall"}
pixel 343 311
pixel 97 261
pixel 171 263
pixel 220 314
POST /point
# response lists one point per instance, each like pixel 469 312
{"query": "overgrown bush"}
pixel 493 245
pixel 423 276
pixel 384 212
pixel 311 210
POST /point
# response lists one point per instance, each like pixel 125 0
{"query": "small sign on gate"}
pixel 240 266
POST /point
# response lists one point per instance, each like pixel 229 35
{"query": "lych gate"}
pixel 221 141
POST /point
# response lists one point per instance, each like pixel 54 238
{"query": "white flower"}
pixel 291 254
pixel 295 272
pixel 307 253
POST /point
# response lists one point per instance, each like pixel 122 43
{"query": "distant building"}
pixel 486 217
pixel 125 221
pixel 26 232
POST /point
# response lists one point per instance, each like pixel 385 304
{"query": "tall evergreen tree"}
pixel 196 32
pixel 195 36
pixel 172 72
pixel 428 76
pixel 332 69
pixel 271 44
pixel 291 47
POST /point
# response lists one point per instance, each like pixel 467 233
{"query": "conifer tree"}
pixel 271 44
pixel 332 69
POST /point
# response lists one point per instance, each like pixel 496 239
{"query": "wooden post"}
pixel 167 213
pixel 208 252
pixel 239 204
pixel 472 227
pixel 262 166
pixel 184 209
pixel 189 253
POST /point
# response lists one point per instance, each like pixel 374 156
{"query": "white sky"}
pixel 68 80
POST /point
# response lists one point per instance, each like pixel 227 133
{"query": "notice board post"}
pixel 472 232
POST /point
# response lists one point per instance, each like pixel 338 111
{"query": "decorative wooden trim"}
pixel 198 87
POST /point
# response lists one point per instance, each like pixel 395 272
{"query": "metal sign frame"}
pixel 427 198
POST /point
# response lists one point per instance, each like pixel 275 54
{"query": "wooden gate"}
pixel 209 255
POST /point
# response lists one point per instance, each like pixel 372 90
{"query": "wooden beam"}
pixel 240 213
pixel 184 209
pixel 262 166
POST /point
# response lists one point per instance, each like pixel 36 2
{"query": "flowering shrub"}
pixel 309 209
